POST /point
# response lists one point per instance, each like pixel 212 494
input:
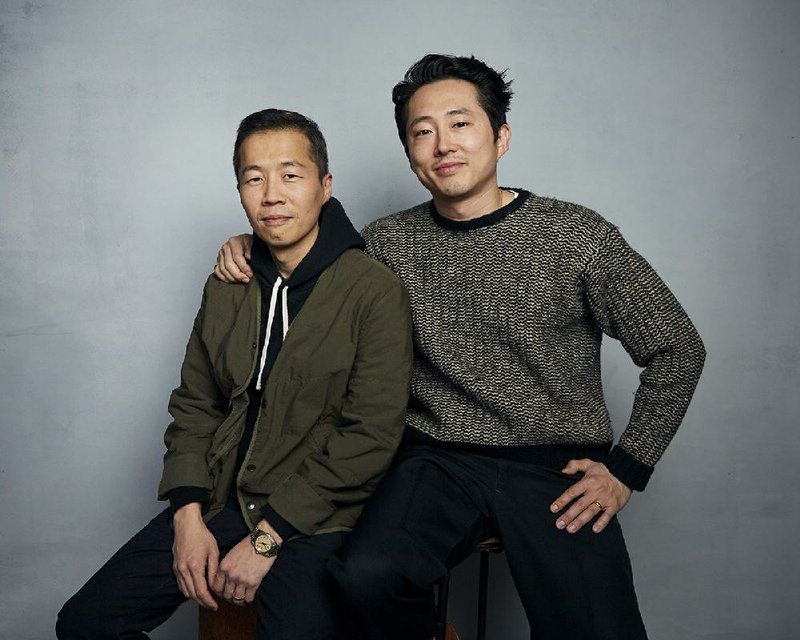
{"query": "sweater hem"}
pixel 551 456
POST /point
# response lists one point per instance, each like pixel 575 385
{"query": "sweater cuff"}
pixel 628 469
pixel 181 496
pixel 277 522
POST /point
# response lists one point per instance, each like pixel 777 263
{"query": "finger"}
pixel 205 599
pixel 232 263
pixel 576 509
pixel 219 583
pixel 229 590
pixel 183 575
pixel 602 522
pixel 202 595
pixel 239 597
pixel 221 274
pixel 572 493
pixel 181 583
pixel 213 566
pixel 586 515
pixel 223 265
pixel 250 596
pixel 574 466
pixel 248 247
pixel 239 258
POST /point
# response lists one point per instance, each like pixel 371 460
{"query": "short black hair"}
pixel 494 93
pixel 280 119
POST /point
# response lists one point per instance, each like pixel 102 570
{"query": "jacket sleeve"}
pixel 631 303
pixel 197 408
pixel 365 438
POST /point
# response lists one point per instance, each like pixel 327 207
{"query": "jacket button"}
pixel 255 345
pixel 251 467
pixel 251 506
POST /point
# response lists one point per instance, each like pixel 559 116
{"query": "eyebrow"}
pixel 285 163
pixel 453 112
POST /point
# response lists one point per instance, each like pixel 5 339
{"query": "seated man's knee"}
pixel 84 617
pixel 73 624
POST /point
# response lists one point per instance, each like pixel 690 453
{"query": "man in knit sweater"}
pixel 507 432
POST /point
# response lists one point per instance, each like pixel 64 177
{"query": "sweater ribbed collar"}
pixel 485 220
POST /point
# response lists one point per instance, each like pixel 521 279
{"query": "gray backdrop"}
pixel 677 120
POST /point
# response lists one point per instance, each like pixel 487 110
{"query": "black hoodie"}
pixel 281 300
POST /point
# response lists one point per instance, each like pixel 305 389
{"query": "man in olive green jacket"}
pixel 290 408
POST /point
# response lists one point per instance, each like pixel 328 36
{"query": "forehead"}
pixel 442 96
pixel 277 145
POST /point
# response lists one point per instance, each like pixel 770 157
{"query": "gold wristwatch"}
pixel 263 543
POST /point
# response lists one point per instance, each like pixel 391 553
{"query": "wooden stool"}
pixel 446 631
pixel 229 622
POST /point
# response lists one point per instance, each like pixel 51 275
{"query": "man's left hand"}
pixel 240 573
pixel 598 492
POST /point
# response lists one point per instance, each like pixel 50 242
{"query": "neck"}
pixel 286 259
pixel 473 206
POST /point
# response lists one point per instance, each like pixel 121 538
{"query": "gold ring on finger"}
pixel 599 506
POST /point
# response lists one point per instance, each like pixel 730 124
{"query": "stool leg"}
pixel 483 585
pixel 444 592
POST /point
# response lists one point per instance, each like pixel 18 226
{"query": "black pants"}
pixel 432 509
pixel 136 590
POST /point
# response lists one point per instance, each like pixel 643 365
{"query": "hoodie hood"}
pixel 336 235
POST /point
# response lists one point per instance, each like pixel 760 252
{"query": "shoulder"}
pixel 567 227
pixel 223 297
pixel 396 223
pixel 230 291
pixel 567 217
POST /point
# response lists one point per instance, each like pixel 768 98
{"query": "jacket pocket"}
pixel 314 401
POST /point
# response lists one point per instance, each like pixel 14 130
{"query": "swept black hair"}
pixel 494 93
pixel 279 119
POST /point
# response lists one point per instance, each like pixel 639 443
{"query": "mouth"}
pixel 447 168
pixel 274 220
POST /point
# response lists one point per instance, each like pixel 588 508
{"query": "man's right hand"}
pixel 232 260
pixel 195 555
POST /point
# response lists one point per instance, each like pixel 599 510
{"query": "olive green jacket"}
pixel 333 408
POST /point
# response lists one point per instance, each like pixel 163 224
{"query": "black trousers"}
pixel 431 510
pixel 136 589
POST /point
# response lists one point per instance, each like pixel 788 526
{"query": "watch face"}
pixel 263 544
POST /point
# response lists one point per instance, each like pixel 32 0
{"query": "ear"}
pixel 503 140
pixel 327 187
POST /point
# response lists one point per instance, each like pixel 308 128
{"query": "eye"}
pixel 253 180
pixel 461 124
pixel 291 176
pixel 421 132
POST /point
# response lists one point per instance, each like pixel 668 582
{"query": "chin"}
pixel 454 191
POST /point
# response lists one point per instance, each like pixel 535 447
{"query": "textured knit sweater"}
pixel 509 310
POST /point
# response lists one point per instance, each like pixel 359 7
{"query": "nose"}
pixel 272 193
pixel 445 142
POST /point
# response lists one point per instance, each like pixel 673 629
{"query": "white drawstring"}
pixel 285 311
pixel 272 300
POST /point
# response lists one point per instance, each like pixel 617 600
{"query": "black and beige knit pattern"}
pixel 508 320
